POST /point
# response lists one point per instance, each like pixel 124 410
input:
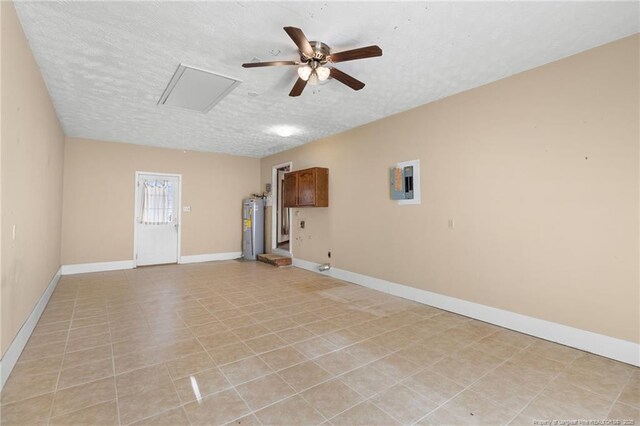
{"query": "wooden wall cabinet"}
pixel 306 188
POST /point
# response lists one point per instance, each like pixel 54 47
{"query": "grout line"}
pixel 616 399
pixel 113 365
pixel 55 392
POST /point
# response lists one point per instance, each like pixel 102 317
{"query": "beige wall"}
pixel 540 173
pixel 32 161
pixel 99 197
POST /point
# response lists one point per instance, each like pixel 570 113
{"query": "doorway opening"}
pixel 280 215
pixel 156 237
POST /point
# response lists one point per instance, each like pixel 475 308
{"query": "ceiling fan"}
pixel 314 57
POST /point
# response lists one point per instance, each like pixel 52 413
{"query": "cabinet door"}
pixel 307 187
pixel 290 189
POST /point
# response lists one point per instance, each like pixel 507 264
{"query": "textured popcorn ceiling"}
pixel 107 63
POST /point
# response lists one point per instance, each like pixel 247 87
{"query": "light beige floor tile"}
pixel 18 388
pixel 142 380
pixel 75 359
pixel 458 370
pixel 245 370
pixel 219 408
pixel 85 373
pixel 631 393
pixel 85 322
pixel 282 358
pixel 174 350
pixel 139 359
pixel 37 367
pixel 88 342
pixel 433 385
pixel 173 417
pixel 82 396
pixel 251 331
pixel 579 397
pixel 208 328
pixel 305 375
pixel 189 365
pixel 31 353
pixel 443 417
pixel 364 414
pixel 51 327
pixel 32 411
pixel 474 408
pixel 523 376
pixel 220 339
pixel 395 366
pixel 295 335
pixel 594 381
pixel 604 366
pixel 123 347
pixel 102 414
pixel 367 351
pixel 200 385
pixel 338 362
pixel 292 411
pixel 332 397
pixel 88 331
pixel 265 343
pixel 367 381
pixel 315 347
pixel 343 338
pixel 505 392
pixel 249 420
pixel 553 351
pixel 230 353
pixel 535 362
pixel 421 354
pixel 403 404
pixel 47 338
pixel 264 391
pixel 137 406
pixel 625 413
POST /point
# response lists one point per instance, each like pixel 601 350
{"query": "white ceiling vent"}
pixel 195 89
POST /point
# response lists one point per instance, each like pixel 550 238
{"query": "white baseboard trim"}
pixel 197 258
pixel 82 268
pixel 610 347
pixel 12 354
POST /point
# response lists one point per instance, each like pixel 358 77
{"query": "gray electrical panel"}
pixel 402 183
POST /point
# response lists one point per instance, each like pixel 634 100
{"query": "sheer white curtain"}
pixel 157 205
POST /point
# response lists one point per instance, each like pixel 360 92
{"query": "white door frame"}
pixel 135 212
pixel 274 210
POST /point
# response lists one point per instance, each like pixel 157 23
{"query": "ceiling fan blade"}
pixel 360 53
pixel 300 40
pixel 269 64
pixel 298 87
pixel 346 79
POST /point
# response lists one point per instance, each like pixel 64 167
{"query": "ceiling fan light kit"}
pixel 315 57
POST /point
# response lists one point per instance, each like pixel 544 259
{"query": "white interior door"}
pixel 157 219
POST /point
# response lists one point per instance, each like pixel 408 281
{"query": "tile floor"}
pixel 246 343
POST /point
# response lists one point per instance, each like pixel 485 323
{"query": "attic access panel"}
pixel 196 90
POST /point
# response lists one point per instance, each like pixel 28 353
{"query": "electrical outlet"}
pixel 302 224
pixel 329 254
pixel 452 224
pixel 186 209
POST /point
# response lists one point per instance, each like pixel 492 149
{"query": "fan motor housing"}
pixel 320 50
